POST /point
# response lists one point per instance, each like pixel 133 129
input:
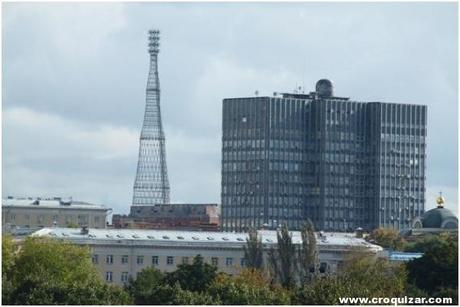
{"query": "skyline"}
pixel 75 75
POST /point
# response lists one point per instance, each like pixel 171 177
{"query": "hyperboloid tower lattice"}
pixel 151 185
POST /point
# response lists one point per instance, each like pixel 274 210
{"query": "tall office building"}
pixel 151 185
pixel 341 163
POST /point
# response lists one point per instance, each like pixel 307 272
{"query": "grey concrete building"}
pixel 344 164
pixel 20 215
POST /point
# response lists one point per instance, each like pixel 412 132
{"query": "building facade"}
pixel 122 253
pixel 32 213
pixel 343 164
pixel 170 216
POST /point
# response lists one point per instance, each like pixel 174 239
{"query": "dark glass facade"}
pixel 341 163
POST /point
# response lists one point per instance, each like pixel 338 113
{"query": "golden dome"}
pixel 440 201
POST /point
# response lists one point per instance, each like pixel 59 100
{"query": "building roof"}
pixel 403 256
pixel 436 217
pixel 224 239
pixel 52 203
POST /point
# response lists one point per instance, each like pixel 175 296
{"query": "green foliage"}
pixel 362 276
pixel 149 288
pixel 8 249
pixel 374 277
pixel 253 251
pixel 283 259
pixel 307 254
pixel 447 292
pixel 52 272
pixel 186 297
pixel 438 268
pixel 247 289
pixel 323 291
pixel 72 225
pixel 427 242
pixel 387 238
pixel 193 277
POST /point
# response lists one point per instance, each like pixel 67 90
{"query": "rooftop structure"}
pixel 23 215
pixel 403 256
pixel 52 203
pixel 199 238
pixel 170 216
pixel 151 185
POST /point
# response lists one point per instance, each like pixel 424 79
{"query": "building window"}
pixel 95 259
pixel 155 260
pixel 323 267
pixel 170 260
pixel 243 262
pixel 124 277
pixel 184 260
pixel 124 259
pixel 109 259
pixel 108 276
pixel 140 259
pixel 229 261
pixel 215 261
pixel 96 220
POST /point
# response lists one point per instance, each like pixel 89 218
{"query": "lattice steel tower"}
pixel 151 185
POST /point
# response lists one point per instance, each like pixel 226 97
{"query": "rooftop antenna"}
pixel 303 72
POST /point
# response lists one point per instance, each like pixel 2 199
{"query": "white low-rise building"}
pixel 33 213
pixel 120 253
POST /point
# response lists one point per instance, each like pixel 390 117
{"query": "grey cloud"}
pixel 88 63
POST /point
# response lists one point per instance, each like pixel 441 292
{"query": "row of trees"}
pixel 45 271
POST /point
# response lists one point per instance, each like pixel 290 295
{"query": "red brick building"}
pixel 170 216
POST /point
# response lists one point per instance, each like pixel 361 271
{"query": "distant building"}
pixel 119 254
pixel 170 216
pixel 20 214
pixel 434 221
pixel 343 164
pixel 403 256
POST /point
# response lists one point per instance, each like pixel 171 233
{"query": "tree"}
pixel 186 297
pixel 193 277
pixel 8 249
pixel 149 288
pixel 52 272
pixel 253 251
pixel 387 238
pixel 248 288
pixel 361 276
pixel 283 259
pixel 437 268
pixel 427 242
pixel 307 254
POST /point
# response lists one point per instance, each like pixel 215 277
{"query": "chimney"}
pixel 359 232
pixel 84 230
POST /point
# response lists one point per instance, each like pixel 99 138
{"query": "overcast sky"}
pixel 74 78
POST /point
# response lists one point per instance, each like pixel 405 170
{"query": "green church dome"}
pixel 439 218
